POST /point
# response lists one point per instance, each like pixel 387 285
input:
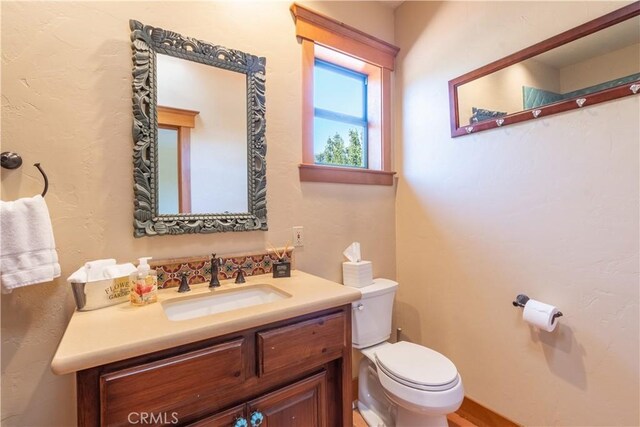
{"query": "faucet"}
pixel 240 275
pixel 215 265
pixel 184 284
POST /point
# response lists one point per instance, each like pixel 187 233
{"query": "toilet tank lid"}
pixel 379 286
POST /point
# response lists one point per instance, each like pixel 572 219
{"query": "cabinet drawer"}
pixel 171 384
pixel 307 343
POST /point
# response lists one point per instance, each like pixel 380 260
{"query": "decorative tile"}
pixel 198 269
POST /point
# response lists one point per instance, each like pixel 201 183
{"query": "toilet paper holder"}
pixel 521 301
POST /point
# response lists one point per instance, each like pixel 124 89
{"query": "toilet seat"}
pixel 417 367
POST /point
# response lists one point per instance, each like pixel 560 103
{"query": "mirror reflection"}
pixel 599 61
pixel 202 138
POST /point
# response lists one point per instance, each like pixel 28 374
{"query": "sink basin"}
pixel 221 301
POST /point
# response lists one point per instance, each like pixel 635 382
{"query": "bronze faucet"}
pixel 215 266
pixel 184 284
pixel 240 275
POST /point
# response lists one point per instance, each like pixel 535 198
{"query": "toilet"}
pixel 400 384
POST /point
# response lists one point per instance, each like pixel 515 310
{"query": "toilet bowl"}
pixel 401 384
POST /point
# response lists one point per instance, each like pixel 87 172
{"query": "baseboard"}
pixel 483 416
pixel 470 410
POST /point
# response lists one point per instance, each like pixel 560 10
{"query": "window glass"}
pixel 338 89
pixel 340 116
pixel 339 143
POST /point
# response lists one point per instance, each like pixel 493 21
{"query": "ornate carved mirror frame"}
pixel 580 31
pixel 147 42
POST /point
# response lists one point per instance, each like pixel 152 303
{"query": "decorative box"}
pixel 100 293
pixel 281 269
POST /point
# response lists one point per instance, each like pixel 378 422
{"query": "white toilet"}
pixel 401 384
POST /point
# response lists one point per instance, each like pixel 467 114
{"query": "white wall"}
pixel 502 91
pixel 547 207
pixel 66 101
pixel 613 65
pixel 219 138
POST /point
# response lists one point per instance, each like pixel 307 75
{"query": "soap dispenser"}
pixel 144 284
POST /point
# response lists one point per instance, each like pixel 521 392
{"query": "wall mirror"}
pixel 199 135
pixel 592 63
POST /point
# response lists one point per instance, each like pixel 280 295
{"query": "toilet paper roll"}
pixel 540 315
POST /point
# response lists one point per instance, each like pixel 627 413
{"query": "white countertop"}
pixel 122 331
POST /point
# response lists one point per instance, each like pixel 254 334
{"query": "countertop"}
pixel 121 331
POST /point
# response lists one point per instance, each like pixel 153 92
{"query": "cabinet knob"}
pixel 360 307
pixel 240 422
pixel 256 418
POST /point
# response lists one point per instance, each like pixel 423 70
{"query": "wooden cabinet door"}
pixel 226 418
pixel 302 404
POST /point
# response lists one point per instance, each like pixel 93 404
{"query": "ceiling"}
pixel 391 4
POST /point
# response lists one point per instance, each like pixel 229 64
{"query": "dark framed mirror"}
pixel 595 62
pixel 199 135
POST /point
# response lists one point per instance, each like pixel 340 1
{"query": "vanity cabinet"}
pixel 302 404
pixel 295 372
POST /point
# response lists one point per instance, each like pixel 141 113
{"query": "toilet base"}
pixel 370 416
pixel 374 406
pixel 406 418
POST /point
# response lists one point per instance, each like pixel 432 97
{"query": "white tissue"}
pixel 540 315
pixel 353 252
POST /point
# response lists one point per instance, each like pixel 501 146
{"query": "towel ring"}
pixel 10 160
pixel 46 180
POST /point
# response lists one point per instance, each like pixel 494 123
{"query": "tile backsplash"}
pixel 198 268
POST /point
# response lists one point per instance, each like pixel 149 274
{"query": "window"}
pixel 174 159
pixel 346 102
pixel 340 116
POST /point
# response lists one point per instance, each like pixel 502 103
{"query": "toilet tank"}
pixel 371 323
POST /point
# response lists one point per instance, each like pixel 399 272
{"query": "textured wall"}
pixel 547 207
pixel 613 65
pixel 66 90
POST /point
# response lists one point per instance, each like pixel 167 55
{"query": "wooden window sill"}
pixel 342 175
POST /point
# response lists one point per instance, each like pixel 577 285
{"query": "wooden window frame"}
pixel 182 121
pixel 332 41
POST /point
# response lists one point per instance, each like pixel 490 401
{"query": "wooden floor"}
pixel 454 419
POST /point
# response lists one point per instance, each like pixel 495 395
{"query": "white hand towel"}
pixel 78 276
pixel 120 270
pixel 95 269
pixel 27 247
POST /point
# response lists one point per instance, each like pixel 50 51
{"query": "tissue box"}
pixel 357 274
pixel 100 293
